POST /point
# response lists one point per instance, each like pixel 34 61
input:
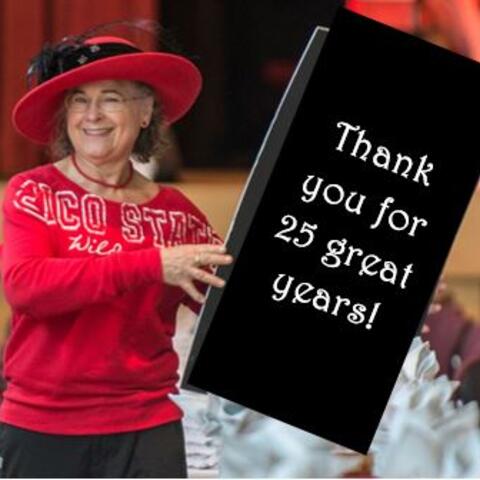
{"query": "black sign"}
pixel 343 230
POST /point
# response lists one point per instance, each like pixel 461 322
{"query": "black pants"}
pixel 156 452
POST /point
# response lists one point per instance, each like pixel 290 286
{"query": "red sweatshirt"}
pixel 90 351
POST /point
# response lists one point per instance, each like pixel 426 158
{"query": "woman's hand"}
pixel 181 266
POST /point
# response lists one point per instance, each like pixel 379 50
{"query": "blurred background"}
pixel 247 51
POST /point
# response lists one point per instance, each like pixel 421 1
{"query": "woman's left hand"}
pixel 182 266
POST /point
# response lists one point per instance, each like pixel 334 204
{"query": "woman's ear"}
pixel 147 111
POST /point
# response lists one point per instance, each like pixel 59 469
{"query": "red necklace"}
pixel 100 182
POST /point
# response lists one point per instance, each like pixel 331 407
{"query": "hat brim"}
pixel 176 81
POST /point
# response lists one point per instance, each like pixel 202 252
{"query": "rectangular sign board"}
pixel 343 230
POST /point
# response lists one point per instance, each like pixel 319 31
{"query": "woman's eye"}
pixel 112 100
pixel 77 100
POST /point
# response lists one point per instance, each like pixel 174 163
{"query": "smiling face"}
pixel 104 119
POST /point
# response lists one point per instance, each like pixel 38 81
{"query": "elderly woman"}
pixel 96 261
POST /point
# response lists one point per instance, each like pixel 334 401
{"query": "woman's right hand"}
pixel 181 266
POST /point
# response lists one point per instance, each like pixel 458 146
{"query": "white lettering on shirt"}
pixel 87 215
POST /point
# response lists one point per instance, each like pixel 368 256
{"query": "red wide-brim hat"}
pixel 175 79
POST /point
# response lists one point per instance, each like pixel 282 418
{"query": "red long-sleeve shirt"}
pixel 90 350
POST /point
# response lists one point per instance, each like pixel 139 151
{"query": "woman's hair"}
pixel 150 142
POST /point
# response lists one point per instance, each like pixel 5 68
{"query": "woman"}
pixel 96 261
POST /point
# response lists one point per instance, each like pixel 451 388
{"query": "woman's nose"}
pixel 94 110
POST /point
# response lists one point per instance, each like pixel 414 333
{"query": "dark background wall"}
pixel 247 51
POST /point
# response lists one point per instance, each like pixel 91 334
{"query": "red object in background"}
pixel 454 338
pixel 448 329
pixel 276 72
pixel 401 14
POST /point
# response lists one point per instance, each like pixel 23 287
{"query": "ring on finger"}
pixel 197 259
